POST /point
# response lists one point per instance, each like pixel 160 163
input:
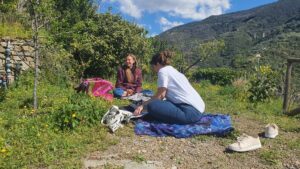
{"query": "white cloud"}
pixel 148 27
pixel 129 7
pixel 151 35
pixel 190 9
pixel 166 24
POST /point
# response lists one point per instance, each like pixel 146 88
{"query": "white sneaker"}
pixel 115 122
pixel 271 130
pixel 109 114
pixel 245 143
pixel 114 117
pixel 127 115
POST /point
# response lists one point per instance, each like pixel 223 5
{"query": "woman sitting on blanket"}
pixel 183 105
pixel 129 78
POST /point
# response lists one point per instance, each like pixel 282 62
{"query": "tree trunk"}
pixel 36 59
pixel 21 5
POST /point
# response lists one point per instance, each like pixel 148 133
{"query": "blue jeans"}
pixel 118 92
pixel 168 112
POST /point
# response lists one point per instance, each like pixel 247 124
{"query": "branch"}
pixel 197 61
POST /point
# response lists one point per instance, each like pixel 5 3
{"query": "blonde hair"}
pixel 133 57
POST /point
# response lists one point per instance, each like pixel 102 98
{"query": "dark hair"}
pixel 162 58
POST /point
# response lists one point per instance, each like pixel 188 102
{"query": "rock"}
pixel 29 59
pixel 17 58
pixel 3 44
pixel 18 48
pixel 2 49
pixel 173 167
pixel 126 164
pixel 28 48
pixel 28 54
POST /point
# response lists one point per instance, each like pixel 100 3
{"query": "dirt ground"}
pixel 196 152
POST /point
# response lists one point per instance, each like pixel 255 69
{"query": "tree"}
pixel 8 6
pixel 40 12
pixel 207 50
pixel 99 42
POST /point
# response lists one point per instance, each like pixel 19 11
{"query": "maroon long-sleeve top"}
pixel 122 82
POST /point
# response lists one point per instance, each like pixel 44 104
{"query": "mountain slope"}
pixel 245 33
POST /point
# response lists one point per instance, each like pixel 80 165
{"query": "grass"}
pixel 14 30
pixel 138 158
pixel 31 139
pixel 271 157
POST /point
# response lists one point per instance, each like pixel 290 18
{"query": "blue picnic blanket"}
pixel 216 124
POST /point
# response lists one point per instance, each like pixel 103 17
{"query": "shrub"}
pixel 238 89
pixel 2 94
pixel 220 76
pixel 263 84
pixel 241 86
pixel 80 110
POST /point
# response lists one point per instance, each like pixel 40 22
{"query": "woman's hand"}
pixel 138 110
pixel 129 92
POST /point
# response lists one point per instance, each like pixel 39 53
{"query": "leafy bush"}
pixel 227 90
pixel 2 94
pixel 14 30
pixel 241 86
pixel 100 43
pixel 263 84
pixel 80 109
pixel 237 92
pixel 220 76
pixel 8 6
pixel 58 65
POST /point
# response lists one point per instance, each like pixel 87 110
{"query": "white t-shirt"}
pixel 179 90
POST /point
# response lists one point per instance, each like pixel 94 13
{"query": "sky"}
pixel 157 16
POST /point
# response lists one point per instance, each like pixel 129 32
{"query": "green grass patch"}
pixel 35 139
pixel 294 143
pixel 14 30
pixel 47 138
pixel 138 158
pixel 271 157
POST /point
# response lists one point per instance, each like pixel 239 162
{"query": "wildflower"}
pixel 74 115
pixel 3 150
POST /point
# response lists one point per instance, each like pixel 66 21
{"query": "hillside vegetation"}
pixel 272 30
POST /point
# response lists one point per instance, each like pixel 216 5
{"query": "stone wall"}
pixel 22 51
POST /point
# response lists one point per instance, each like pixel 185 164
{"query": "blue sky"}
pixel 157 16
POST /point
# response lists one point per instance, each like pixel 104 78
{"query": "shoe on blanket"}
pixel 245 143
pixel 271 130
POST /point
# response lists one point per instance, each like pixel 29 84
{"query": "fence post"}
pixel 287 86
pixel 290 62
